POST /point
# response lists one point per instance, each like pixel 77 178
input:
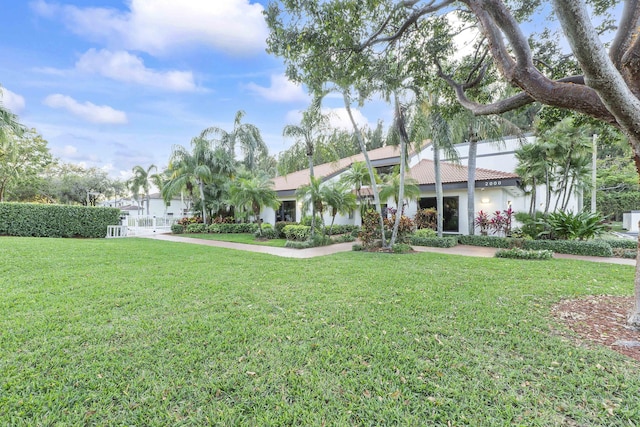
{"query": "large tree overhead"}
pixel 353 33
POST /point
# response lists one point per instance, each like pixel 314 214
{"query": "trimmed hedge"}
pixel 197 228
pixel 487 241
pixel 245 227
pixel 38 220
pixel 298 233
pixel 177 229
pixel 575 247
pixel 517 253
pixel 436 242
pixel 342 229
pixel 620 243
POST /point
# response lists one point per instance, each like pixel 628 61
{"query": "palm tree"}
pixel 311 126
pixel 356 177
pixel 429 123
pixel 339 198
pixel 142 179
pixel 532 169
pixel 246 135
pixel 311 196
pixel 391 189
pixel 8 121
pixel 252 194
pixel 199 167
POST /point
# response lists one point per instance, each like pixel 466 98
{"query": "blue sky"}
pixel 116 83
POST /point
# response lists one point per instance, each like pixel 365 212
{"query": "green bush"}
pixel 575 247
pixel 267 233
pixel 517 253
pixel 244 227
pixel 344 238
pixel 401 248
pixel 436 242
pixel 197 228
pixel 177 229
pixel 39 220
pixel 214 228
pixel 342 229
pixel 357 247
pixel 298 233
pixel 624 253
pixel 620 243
pixel 297 245
pixel 425 233
pixel 531 225
pixel 487 241
pixel 280 225
pixel 570 226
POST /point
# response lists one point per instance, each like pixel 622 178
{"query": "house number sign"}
pixel 492 183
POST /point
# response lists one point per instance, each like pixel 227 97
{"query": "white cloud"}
pixel 159 26
pixel 87 111
pixel 125 67
pixel 281 90
pixel 11 101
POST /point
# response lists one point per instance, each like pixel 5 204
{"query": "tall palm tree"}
pixel 141 180
pixel 339 198
pixel 312 125
pixel 391 189
pixel 246 135
pixel 356 177
pixel 252 194
pixel 532 169
pixel 430 123
pixel 198 167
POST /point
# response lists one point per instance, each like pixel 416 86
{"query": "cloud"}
pixel 11 101
pixel 87 111
pixel 281 90
pixel 159 26
pixel 125 67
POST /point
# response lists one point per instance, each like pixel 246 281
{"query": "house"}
pixel 177 207
pixel 497 185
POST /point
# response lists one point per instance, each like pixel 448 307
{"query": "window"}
pixel 287 211
pixel 450 214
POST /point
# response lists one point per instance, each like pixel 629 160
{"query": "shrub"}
pixel 298 233
pixel 575 247
pixel 197 228
pixel 190 220
pixel 620 243
pixel 425 233
pixel 344 238
pixel 244 227
pixel 517 253
pixel 342 229
pixel 487 241
pixel 482 221
pixel 177 229
pixel 320 240
pixel 297 245
pixel 282 224
pixel 426 218
pixel 357 247
pixel 267 233
pixel 214 228
pixel 370 230
pixel 39 220
pixel 532 226
pixel 405 227
pixel 624 253
pixel 401 248
pixel 570 226
pixel 436 242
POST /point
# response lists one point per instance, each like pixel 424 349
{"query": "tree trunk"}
pixel 548 196
pixel 439 201
pixel 372 177
pixel 148 202
pixel 471 185
pixel 532 204
pixel 313 205
pixel 403 151
pixel 204 209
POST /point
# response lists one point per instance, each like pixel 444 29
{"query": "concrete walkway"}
pixel 464 250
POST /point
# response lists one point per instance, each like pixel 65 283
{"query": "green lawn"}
pixel 238 238
pixel 144 332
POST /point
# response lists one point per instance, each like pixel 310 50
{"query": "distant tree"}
pixel 339 199
pixel 312 198
pixel 253 194
pixel 142 180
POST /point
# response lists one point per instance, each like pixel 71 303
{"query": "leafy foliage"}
pixel 298 233
pixel 517 253
pixel 426 218
pixel 177 229
pixel 570 226
pixel 436 242
pixel 38 220
pixel 575 247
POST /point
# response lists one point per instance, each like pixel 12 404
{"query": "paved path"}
pixel 464 250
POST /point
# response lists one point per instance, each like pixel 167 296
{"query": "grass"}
pixel 238 238
pixel 144 332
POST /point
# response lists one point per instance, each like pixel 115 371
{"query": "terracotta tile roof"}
pixel 424 173
pixel 297 179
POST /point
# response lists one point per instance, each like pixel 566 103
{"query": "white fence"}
pixel 139 225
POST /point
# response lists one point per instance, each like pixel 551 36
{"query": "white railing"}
pixel 148 224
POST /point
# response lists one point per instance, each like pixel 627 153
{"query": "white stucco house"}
pixel 497 185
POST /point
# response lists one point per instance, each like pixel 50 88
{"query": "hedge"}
pixel 487 241
pixel 575 247
pixel 245 227
pixel 39 220
pixel 620 243
pixel 297 232
pixel 436 242
pixel 517 253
